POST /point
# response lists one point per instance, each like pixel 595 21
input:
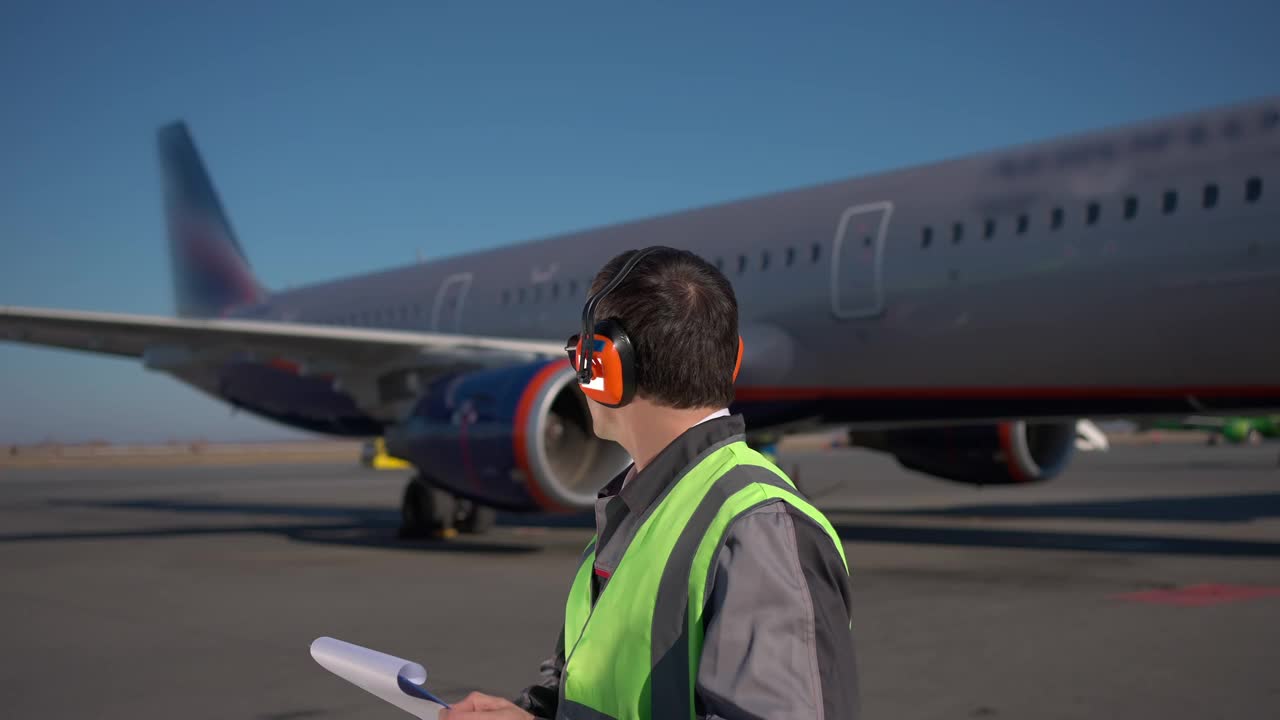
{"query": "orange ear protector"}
pixel 606 365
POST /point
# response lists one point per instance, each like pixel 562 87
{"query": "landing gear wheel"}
pixel 472 518
pixel 426 512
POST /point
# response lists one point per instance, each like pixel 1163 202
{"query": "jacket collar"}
pixel 673 462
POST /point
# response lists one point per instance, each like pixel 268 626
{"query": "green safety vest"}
pixel 635 654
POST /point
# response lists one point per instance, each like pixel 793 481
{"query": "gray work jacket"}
pixel 777 643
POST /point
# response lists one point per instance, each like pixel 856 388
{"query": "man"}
pixel 712 588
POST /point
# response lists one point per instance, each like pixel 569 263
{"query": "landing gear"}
pixel 473 519
pixel 426 511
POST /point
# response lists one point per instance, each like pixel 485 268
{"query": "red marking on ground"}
pixel 1201 595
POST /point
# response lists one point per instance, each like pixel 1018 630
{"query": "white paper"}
pixel 393 679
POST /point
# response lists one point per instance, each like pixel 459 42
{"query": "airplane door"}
pixel 857 260
pixel 447 309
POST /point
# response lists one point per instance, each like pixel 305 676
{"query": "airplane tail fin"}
pixel 211 274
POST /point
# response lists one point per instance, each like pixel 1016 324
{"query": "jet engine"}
pixel 516 438
pixel 1001 454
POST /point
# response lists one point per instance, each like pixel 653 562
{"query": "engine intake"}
pixel 518 438
pixel 1002 454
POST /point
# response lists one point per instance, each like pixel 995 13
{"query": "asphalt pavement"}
pixel 1143 583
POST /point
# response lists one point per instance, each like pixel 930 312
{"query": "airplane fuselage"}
pixel 1121 272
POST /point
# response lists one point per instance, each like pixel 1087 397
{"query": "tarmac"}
pixel 1143 583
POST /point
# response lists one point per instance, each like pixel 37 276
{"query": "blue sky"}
pixel 349 136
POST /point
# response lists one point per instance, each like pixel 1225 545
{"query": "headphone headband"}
pixel 589 312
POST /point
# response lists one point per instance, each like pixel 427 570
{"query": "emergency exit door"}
pixel 447 308
pixel 857 260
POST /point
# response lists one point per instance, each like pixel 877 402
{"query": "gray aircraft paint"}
pixel 1162 300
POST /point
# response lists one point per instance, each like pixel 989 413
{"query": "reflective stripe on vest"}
pixel 634 655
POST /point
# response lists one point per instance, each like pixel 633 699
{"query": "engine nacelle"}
pixel 517 438
pixel 1002 454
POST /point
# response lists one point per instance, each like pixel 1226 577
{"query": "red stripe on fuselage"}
pixel 519 435
pixel 968 393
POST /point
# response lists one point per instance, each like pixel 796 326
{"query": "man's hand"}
pixel 478 706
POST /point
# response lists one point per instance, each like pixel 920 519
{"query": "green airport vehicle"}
pixel 1235 430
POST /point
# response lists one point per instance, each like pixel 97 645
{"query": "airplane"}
pixel 960 315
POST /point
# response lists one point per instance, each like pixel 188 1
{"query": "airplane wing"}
pixel 359 358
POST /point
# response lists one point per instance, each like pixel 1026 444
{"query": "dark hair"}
pixel 682 317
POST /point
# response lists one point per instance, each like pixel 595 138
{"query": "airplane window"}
pixel 537 293
pixel 1170 201
pixel 1197 135
pixel 520 295
pixel 742 264
pixel 926 236
pixel 1270 119
pixel 404 313
pixel 1253 189
pixel 1092 213
pixel 1023 223
pixel 957 232
pixel 1151 142
pixel 989 229
pixel 555 290
pixel 764 260
pixel 1130 207
pixel 506 297
pixel 1055 219
pixel 573 288
pixel 791 256
pixel 1210 195
pixel 1231 129
pixel 417 309
pixel 720 264
pixel 817 250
